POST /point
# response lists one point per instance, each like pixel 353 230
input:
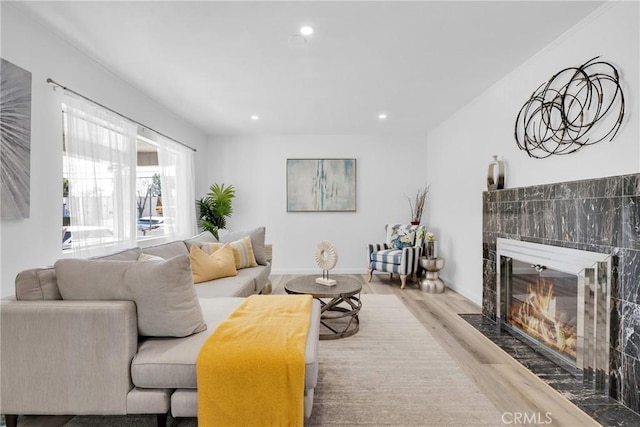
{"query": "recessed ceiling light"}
pixel 254 117
pixel 382 116
pixel 306 30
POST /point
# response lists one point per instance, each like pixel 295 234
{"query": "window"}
pixel 149 211
pixel 115 181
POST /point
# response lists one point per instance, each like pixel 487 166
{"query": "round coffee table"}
pixel 341 320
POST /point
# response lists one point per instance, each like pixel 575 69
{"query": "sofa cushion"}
pixel 149 401
pixel 164 363
pixel 131 254
pixel 242 252
pixel 261 274
pixel 204 237
pixel 148 257
pixel 167 250
pixel 37 284
pixel 171 363
pixel 212 266
pixel 41 283
pixel 241 285
pixel 184 403
pixel 166 302
pixel 257 236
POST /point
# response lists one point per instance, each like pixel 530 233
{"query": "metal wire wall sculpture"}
pixel 578 106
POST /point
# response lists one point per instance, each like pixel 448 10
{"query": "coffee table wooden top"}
pixel 346 286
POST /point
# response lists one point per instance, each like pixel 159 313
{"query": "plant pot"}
pixel 431 249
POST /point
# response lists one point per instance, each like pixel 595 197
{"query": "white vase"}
pixel 495 174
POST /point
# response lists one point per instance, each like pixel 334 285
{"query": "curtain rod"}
pixel 52 82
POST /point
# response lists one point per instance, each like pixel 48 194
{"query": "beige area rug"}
pixel 394 373
pixel 391 373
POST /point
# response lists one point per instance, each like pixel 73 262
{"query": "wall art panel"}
pixel 15 140
pixel 321 185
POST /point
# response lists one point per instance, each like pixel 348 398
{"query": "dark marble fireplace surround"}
pixel 599 215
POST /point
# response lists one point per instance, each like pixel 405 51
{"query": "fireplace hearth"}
pixel 605 410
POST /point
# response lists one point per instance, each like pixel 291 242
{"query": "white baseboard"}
pixel 318 271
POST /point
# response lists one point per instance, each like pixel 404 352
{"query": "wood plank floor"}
pixel 506 383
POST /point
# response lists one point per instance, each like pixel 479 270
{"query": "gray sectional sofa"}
pixel 79 356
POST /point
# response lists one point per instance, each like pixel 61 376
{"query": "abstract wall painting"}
pixel 321 185
pixel 15 140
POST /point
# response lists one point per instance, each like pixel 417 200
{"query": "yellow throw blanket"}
pixel 250 371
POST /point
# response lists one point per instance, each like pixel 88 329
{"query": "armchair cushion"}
pixel 392 233
pixel 395 231
pixel 389 256
pixel 402 238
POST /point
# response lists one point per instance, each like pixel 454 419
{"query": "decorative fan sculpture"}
pixel 326 258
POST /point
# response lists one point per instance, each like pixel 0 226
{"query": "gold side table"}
pixel 431 283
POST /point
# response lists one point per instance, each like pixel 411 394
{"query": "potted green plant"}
pixel 418 205
pixel 216 207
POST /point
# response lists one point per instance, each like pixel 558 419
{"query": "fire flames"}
pixel 536 315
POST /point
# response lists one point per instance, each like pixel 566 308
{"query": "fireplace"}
pixel 558 300
pixel 595 215
pixel 542 304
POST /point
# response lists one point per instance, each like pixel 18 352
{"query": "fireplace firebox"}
pixel 542 304
pixel 557 300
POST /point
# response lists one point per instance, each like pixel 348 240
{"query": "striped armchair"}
pixel 401 252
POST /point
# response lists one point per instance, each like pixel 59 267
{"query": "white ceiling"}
pixel 218 63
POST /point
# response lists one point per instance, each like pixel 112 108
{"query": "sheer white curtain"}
pixel 178 193
pixel 99 162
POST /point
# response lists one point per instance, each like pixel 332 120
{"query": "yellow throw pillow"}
pixel 242 252
pixel 206 267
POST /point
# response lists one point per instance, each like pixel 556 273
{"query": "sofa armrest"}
pixel 268 249
pixel 66 357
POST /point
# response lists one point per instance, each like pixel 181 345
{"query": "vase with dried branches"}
pixel 417 205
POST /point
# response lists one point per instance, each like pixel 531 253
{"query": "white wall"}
pixel 387 169
pixel 37 241
pixel 460 149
